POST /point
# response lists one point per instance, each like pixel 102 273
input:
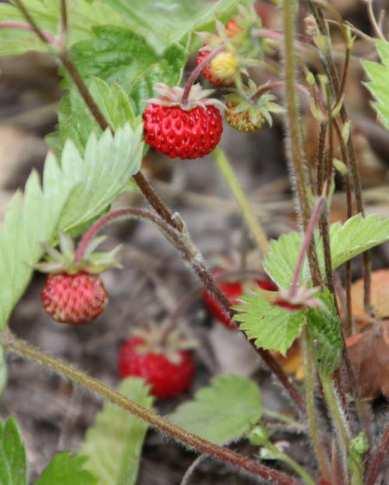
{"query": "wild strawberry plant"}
pixel 122 65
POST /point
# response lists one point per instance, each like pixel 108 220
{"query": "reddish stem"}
pixel 10 24
pixel 197 71
pixel 314 219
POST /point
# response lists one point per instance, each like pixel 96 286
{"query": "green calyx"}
pixel 248 111
pixel 63 260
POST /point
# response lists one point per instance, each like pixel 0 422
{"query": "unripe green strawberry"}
pixel 222 68
pixel 242 120
pixel 250 111
pixel 74 298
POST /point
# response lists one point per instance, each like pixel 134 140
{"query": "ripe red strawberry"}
pixel 232 290
pixel 221 70
pixel 167 375
pixel 74 298
pixel 190 130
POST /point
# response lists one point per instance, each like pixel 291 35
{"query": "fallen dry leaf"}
pixel 379 297
pixel 369 355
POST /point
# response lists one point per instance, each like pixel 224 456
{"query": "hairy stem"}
pixel 313 425
pixel 252 221
pixel 338 419
pixel 295 139
pixel 95 386
pixel 308 236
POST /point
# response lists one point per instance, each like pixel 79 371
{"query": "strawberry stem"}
pixel 197 71
pixel 308 237
pixel 48 38
pixel 179 434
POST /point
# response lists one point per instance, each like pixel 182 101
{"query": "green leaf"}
pixel 75 121
pixel 378 85
pixel 281 258
pixel 73 193
pixel 271 327
pixel 357 235
pixel 168 22
pixel 13 465
pixel 119 55
pixel 83 16
pixel 216 414
pixel 325 328
pixel 67 469
pixel 113 445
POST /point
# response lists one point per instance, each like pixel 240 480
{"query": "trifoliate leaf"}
pixel 378 85
pixel 113 445
pixel 13 466
pixel 355 236
pixel 82 18
pixel 74 191
pixel 119 55
pixel 216 414
pixel 67 469
pixel 168 22
pixel 269 326
pixel 75 122
pixel 325 327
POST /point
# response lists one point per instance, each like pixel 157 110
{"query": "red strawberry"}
pixel 221 70
pixel 168 374
pixel 74 298
pixel 232 290
pixel 190 130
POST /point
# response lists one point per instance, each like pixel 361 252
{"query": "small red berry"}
pixel 232 291
pixel 167 377
pixel 74 298
pixel 180 133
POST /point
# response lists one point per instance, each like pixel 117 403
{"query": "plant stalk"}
pixel 338 419
pixel 293 122
pixel 312 418
pixel 252 222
